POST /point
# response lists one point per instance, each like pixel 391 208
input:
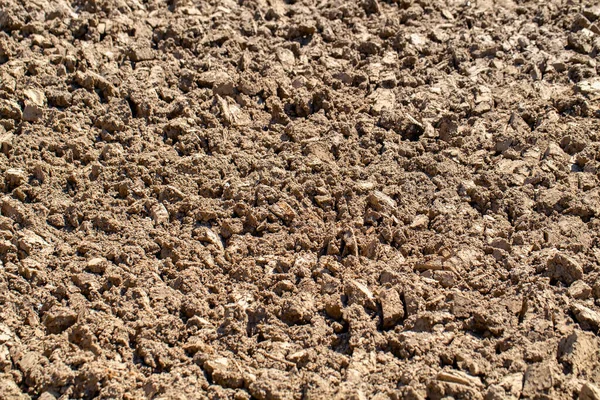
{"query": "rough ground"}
pixel 301 199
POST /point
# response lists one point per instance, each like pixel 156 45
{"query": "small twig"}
pixel 275 358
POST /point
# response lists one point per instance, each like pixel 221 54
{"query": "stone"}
pixel 459 377
pixel 224 373
pixel 360 294
pixel 219 81
pixel 138 54
pixel 207 235
pixel 286 58
pixel 10 109
pixel 380 201
pixel 6 334
pixel 554 151
pixel 6 140
pixel 15 177
pixel 382 99
pixel 97 265
pixel 29 241
pixel 589 391
pixel 59 319
pixel 588 319
pixel 578 351
pixel 538 380
pixel 588 87
pixel 564 268
pixel 446 279
pixel 392 308
pixel 580 290
pixel 159 213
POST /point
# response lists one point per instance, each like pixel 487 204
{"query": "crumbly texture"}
pixel 306 199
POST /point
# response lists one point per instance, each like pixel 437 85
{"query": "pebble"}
pixel 15 177
pixel 564 268
pixel 589 391
pixel 159 213
pixel 382 99
pixel 97 265
pixel 538 379
pixel 286 58
pixel 6 140
pixel 360 294
pixel 380 201
pixel 580 290
pixel 587 318
pixel 588 87
pixel 392 309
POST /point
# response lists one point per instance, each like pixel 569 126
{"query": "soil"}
pixel 310 199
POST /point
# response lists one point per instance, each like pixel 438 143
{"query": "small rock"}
pixel 91 80
pixel 56 220
pixel 35 96
pixel 294 311
pixel 589 391
pixel 10 390
pixel 501 243
pixel 392 309
pixel 10 109
pixel 32 112
pixel 47 396
pixel 207 235
pixel 220 82
pixel 538 380
pixel 578 351
pixel 59 319
pixel 587 318
pixel 6 140
pixel 333 306
pixel 382 99
pixel 360 294
pixel 97 265
pixel 380 201
pixel 6 334
pixel 284 211
pixel 447 14
pixel 564 268
pixel 286 58
pixel 417 40
pixel 554 151
pixel 138 54
pixel 588 87
pixel 446 279
pixel 30 241
pixel 460 378
pixel 580 290
pixel 421 221
pixel 224 373
pixel 159 213
pixel 15 177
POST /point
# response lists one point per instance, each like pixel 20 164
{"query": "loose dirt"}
pixel 301 199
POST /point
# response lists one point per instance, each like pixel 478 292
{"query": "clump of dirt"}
pixel 307 199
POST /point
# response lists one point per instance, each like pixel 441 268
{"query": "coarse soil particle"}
pixel 299 199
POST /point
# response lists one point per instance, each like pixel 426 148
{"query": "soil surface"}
pixel 310 199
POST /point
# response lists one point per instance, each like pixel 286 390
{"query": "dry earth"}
pixel 301 199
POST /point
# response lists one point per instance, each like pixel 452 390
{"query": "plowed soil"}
pixel 310 199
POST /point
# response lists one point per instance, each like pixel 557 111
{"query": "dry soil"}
pixel 305 199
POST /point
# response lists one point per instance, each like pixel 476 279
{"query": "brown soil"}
pixel 302 199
